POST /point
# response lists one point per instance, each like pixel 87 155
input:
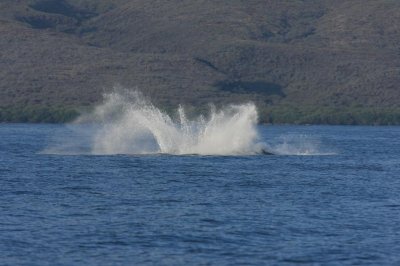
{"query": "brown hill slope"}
pixel 278 53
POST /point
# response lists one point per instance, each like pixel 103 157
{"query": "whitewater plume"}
pixel 127 124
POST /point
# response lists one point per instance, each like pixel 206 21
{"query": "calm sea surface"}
pixel 338 205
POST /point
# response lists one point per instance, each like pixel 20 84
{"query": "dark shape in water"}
pixel 265 152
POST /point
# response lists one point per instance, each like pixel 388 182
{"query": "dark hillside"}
pixel 285 55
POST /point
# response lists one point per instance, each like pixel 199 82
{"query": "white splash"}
pixel 127 124
pixel 299 145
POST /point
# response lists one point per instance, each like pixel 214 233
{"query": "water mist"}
pixel 127 124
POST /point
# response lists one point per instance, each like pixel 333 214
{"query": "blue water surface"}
pixel 338 205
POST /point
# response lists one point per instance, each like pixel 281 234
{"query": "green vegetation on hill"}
pixel 276 115
pixel 37 114
pixel 322 56
pixel 331 116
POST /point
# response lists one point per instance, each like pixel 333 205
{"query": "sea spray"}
pixel 299 145
pixel 125 123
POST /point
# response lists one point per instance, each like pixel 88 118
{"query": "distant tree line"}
pixel 34 114
pixel 270 115
pixel 331 115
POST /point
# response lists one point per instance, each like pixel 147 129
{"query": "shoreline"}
pixel 357 116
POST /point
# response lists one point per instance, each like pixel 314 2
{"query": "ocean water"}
pixel 330 196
